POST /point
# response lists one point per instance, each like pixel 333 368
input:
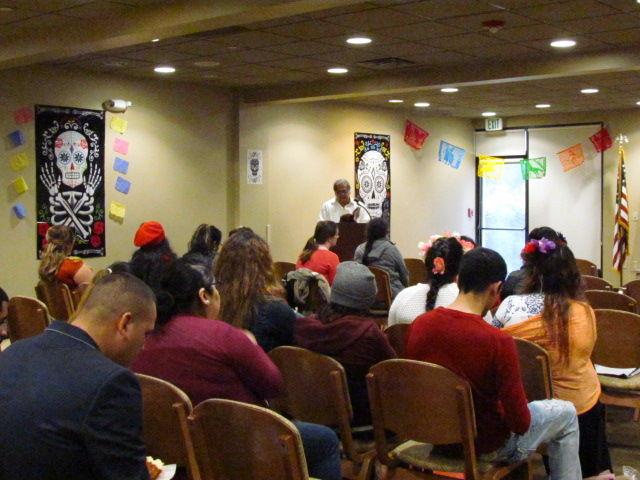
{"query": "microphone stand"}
pixel 360 204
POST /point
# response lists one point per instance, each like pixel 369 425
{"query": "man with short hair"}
pixel 457 338
pixel 342 204
pixel 71 410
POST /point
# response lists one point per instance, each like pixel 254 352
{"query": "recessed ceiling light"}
pixel 563 43
pixel 421 104
pixel 337 70
pixel 449 90
pixel 395 100
pixel 589 90
pixel 638 103
pixel 164 69
pixel 358 40
pixel 543 105
pixel 6 9
pixel 206 63
pixel 488 114
pixel 155 40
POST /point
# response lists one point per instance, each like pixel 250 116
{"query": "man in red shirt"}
pixel 458 338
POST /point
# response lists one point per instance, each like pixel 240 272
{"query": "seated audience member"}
pixel 4 312
pixel 71 410
pixel 55 262
pixel 208 358
pixel 316 255
pixel 154 255
pixel 205 240
pixel 344 331
pixel 458 338
pixel 565 326
pixel 512 285
pixel 239 229
pixel 250 296
pixel 442 261
pixel 378 251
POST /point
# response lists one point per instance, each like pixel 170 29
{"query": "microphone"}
pixel 360 203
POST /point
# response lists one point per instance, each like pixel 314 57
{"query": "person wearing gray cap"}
pixel 344 331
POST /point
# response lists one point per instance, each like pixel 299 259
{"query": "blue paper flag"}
pixel 120 165
pixel 20 210
pixel 17 138
pixel 123 185
pixel 450 154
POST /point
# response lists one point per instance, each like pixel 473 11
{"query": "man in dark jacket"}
pixel 70 409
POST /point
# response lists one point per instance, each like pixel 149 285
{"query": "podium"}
pixel 351 235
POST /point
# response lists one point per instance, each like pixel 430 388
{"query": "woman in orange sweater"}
pixel 316 255
pixel 55 262
pixel 566 328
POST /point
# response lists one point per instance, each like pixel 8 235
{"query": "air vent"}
pixel 387 63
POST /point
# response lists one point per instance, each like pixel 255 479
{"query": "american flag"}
pixel 621 226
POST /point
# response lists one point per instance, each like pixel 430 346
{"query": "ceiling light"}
pixel 337 70
pixel 164 69
pixel 358 40
pixel 589 90
pixel 638 103
pixel 206 63
pixel 563 43
pixel 449 90
pixel 543 105
pixel 395 100
pixel 488 114
pixel 155 40
pixel 421 104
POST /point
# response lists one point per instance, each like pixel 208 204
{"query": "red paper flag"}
pixel 23 115
pixel 571 157
pixel 601 140
pixel 414 136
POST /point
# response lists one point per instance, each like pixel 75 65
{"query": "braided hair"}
pixel 377 229
pixel 449 250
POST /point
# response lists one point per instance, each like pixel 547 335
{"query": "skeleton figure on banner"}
pixel 372 171
pixel 71 150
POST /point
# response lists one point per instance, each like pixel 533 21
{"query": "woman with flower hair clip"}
pixel 565 326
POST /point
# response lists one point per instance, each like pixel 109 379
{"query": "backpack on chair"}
pixel 307 291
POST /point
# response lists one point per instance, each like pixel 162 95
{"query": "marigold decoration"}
pixel 423 247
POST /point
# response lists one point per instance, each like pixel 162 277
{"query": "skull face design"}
pixel 71 150
pixel 372 176
pixel 254 165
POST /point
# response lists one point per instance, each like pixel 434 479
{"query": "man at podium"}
pixel 333 209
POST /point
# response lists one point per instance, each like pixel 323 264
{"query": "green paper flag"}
pixel 533 168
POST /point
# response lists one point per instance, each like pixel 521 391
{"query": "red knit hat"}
pixel 149 233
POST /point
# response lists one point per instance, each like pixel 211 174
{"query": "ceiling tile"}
pixel 537 32
pixel 503 51
pixel 341 10
pixel 303 48
pixel 254 39
pixel 584 44
pixel 606 23
pixel 302 63
pixel 199 48
pixel 568 10
pixel 44 6
pixel 623 5
pixel 16 15
pixel 40 22
pixel 348 57
pixel 520 4
pixel 473 23
pixel 372 19
pixel 157 55
pixel 435 9
pixel 473 40
pixel 420 31
pixel 619 37
pixel 312 29
pixel 96 10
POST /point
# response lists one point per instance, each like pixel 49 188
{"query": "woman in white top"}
pixel 442 261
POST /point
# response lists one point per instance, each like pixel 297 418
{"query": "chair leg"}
pixel 636 415
pixel 367 469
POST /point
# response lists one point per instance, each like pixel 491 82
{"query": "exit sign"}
pixel 492 124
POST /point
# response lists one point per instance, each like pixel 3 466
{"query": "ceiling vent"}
pixel 387 63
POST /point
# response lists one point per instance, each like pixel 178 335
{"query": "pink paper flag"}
pixel 23 115
pixel 571 157
pixel 121 146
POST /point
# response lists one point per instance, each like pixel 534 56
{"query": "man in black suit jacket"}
pixel 69 408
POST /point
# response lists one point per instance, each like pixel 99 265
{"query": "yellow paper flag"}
pixel 118 124
pixel 490 167
pixel 19 161
pixel 19 185
pixel 117 211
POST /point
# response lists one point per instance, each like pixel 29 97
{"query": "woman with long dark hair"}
pixel 56 264
pixel 205 240
pixel 440 290
pixel 154 255
pixel 565 326
pixel 379 251
pixel 316 255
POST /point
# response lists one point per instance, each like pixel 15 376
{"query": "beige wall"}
pixel 307 146
pixel 181 144
pixel 626 122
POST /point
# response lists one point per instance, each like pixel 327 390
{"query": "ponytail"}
pixel 325 229
pixel 449 250
pixel 310 247
pixel 60 240
pixel 377 229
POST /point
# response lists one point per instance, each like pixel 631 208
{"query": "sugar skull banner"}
pixel 70 175
pixel 373 173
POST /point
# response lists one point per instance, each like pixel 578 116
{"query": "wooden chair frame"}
pixel 20 327
pixel 383 283
pixel 58 299
pixel 587 267
pixel 535 370
pixel 612 300
pixel 397 336
pixel 591 282
pixel 417 270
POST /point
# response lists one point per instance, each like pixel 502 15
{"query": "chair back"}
pixel 587 267
pixel 57 297
pixel 610 299
pixel 633 289
pixel 280 269
pixel 329 403
pixel 401 392
pixel 535 370
pixel 590 282
pixel 164 429
pixel 235 440
pixel 397 336
pixel 417 270
pixel 383 297
pixel 27 317
pixel 618 342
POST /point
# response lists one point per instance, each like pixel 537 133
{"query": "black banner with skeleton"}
pixel 70 174
pixel 373 173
